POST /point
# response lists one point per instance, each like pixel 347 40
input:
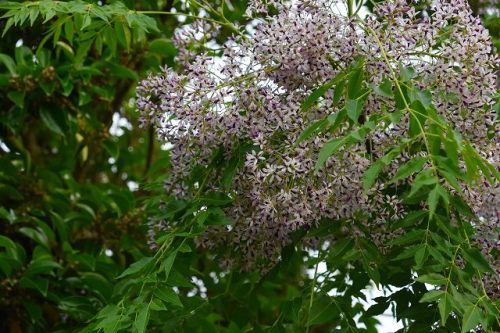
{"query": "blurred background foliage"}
pixel 79 179
pixel 73 161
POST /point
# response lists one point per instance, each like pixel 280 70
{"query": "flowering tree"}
pixel 370 140
pixel 319 149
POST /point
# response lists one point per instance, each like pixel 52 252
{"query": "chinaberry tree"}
pixel 317 150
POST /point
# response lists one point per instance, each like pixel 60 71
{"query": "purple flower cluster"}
pixel 255 90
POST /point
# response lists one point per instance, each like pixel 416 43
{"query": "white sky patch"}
pixel 200 289
pixel 250 27
pixel 4 147
pixel 119 124
pixel 166 146
pixel 132 186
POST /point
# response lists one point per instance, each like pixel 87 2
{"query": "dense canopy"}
pixel 260 166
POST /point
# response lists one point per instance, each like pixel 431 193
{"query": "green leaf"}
pixel 166 265
pixel 354 108
pixel 123 34
pixel 336 119
pixel 179 280
pixel 421 255
pixel 433 278
pixel 163 47
pixel 339 92
pixel 378 308
pixel 445 306
pixel 436 254
pixel 40 285
pixel 355 85
pixel 320 91
pixel 17 97
pixel 395 116
pixel 41 266
pixel 452 144
pixel 311 129
pixel 10 192
pixel 69 30
pixel 82 51
pixel 120 71
pixel 109 37
pixel 84 98
pixel 8 25
pixel 433 200
pixel 432 296
pixel 8 244
pixel 371 175
pixel 410 219
pixel 158 305
pixel 424 178
pixel 184 248
pixel 442 244
pixel 218 219
pixel 384 89
pixel 35 234
pixel 66 48
pixel 215 199
pixel 472 318
pixel 409 237
pixel 34 12
pixel 98 283
pixel 407 253
pixel 407 73
pixel 474 160
pixel 86 22
pixel 142 319
pixel 451 179
pixel 110 318
pixel 389 156
pixel 8 62
pixel 231 169
pixel 136 267
pixel 328 150
pixel 413 165
pixel 337 250
pixel 50 121
pixel 322 311
pixel 417 118
pixel 168 295
pixel 424 97
pixel 477 260
pixel 451 231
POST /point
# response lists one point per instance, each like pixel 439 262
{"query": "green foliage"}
pixel 70 225
pixel 430 244
pixel 73 255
